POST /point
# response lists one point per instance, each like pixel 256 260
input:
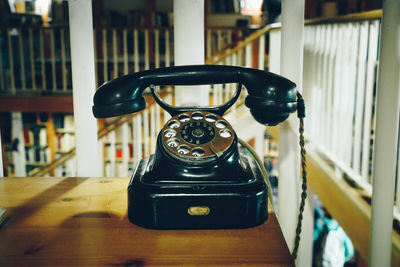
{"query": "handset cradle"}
pixel 198 177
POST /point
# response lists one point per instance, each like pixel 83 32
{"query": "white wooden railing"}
pixel 340 66
pixel 37 60
pixel 123 146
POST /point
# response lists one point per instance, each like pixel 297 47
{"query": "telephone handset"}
pixel 199 177
pixel 270 97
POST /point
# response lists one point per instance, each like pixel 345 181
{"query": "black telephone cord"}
pixel 301 115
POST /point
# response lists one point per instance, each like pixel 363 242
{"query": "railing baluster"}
pixel 125 149
pixel 100 149
pixel 227 92
pixel 234 63
pixel 11 62
pixel 220 94
pixel 313 129
pixel 240 57
pixel 125 47
pixel 261 52
pixel 219 41
pixel 96 74
pixel 228 61
pixel 214 91
pixel 22 60
pixel 248 56
pixel 53 59
pixel 317 82
pixel 32 60
pixel 156 48
pixel 43 61
pixel 158 119
pixel 344 97
pixel 369 97
pixel 137 133
pixel 323 82
pixel 2 83
pixel 115 53
pixel 70 167
pixel 105 56
pixel 361 70
pixel 308 66
pixel 229 37
pixel 354 35
pixel 168 100
pixel 209 52
pixel 146 50
pixel 234 59
pixel 167 49
pixel 136 49
pixel 134 141
pixel 146 124
pixel 112 153
pixel 152 129
pixel 339 73
pixel 331 51
pixel 63 61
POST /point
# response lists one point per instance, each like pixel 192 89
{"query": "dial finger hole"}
pixel 169 133
pixel 184 117
pixel 211 118
pixel 198 152
pixel 174 124
pixel 221 124
pixel 173 142
pixel 183 150
pixel 197 115
pixel 225 133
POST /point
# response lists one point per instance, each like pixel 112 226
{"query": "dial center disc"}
pixel 197 132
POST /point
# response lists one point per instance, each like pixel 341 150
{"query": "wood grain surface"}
pixel 83 222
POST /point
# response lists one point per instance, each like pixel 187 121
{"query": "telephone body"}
pixel 199 177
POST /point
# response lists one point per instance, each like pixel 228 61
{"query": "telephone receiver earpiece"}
pixel 271 98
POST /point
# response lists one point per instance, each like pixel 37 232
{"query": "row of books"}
pixel 35 136
pixel 36 155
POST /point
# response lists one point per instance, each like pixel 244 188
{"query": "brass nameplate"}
pixel 198 210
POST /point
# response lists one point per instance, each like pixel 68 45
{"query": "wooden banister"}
pixel 368 15
pixel 220 57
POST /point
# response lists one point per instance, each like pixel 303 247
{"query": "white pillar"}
pixel 386 133
pixel 17 132
pixel 189 47
pixel 83 83
pixel 275 51
pixel 289 188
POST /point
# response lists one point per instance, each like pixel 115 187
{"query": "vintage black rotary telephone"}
pixel 198 176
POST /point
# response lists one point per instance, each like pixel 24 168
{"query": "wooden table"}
pixel 83 222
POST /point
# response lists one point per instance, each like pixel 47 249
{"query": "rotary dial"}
pixel 197 136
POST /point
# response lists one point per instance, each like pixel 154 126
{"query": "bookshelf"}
pixel 33 140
